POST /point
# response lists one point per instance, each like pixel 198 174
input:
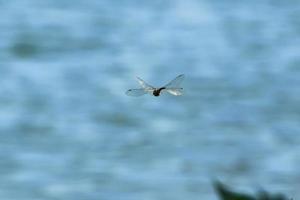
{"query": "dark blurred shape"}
pixel 24 49
pixel 225 193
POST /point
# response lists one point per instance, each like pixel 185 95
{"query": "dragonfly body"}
pixel 156 92
pixel 173 87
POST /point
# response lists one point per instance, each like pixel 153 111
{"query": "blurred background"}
pixel 68 131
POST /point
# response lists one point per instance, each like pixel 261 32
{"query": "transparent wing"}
pixel 175 83
pixel 174 91
pixel 145 85
pixel 136 92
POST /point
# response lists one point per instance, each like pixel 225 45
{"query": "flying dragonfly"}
pixel 173 87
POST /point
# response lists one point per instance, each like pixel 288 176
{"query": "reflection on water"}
pixel 69 132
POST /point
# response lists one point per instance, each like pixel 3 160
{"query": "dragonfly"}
pixel 173 87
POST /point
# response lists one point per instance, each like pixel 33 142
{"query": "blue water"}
pixel 69 132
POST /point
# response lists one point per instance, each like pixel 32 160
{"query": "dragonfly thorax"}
pixel 156 92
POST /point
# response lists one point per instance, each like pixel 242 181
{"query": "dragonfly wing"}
pixel 136 92
pixel 174 91
pixel 175 83
pixel 145 85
